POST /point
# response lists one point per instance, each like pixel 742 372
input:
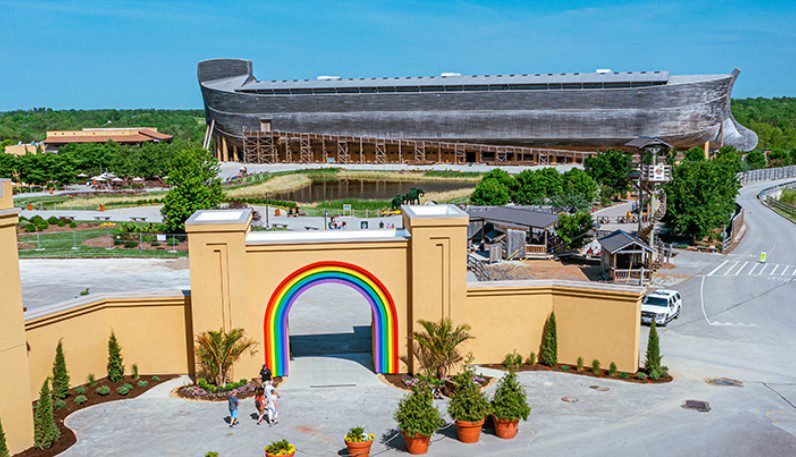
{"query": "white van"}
pixel 661 306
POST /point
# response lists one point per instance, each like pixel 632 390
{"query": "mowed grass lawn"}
pixel 70 244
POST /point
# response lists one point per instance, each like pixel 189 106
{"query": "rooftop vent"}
pixel 446 74
pixel 328 78
pixel 603 71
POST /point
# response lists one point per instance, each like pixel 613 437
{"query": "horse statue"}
pixel 414 195
pixel 397 201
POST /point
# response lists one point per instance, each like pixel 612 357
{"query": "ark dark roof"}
pixel 516 217
pixel 645 141
pixel 619 240
pixel 652 77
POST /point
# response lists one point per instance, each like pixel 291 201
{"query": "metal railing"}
pixel 101 243
pixel 641 275
pixel 475 265
pixel 777 206
pixel 765 174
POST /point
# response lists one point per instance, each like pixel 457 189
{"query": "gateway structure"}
pixel 525 118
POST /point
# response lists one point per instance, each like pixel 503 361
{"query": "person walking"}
pixel 233 404
pixel 270 399
pixel 265 375
pixel 259 403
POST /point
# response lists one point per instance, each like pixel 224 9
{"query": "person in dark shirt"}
pixel 265 374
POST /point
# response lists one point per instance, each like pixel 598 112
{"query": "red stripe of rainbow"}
pixel 385 321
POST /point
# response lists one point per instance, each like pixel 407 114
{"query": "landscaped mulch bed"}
pixel 195 393
pixel 572 369
pixel 68 437
pixel 53 228
pixel 399 381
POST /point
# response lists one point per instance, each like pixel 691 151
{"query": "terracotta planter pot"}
pixel 417 444
pixel 286 455
pixel 469 431
pixel 505 428
pixel 358 449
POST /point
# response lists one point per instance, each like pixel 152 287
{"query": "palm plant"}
pixel 216 351
pixel 436 348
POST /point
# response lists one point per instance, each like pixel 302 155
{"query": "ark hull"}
pixel 685 111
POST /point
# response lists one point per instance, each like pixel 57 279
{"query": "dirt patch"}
pixel 586 371
pixel 545 269
pixel 56 229
pixel 399 382
pixel 180 264
pixel 108 241
pixel 68 437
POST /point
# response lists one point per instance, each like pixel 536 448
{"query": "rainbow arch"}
pixel 385 316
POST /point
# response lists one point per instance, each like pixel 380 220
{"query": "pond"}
pixel 339 189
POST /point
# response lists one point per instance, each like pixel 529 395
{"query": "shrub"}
pixel 217 350
pixel 532 359
pixel 548 355
pixel 437 347
pixel 512 361
pixel 211 454
pixel 595 366
pixel 358 435
pixel 135 371
pixel 490 192
pixel 580 363
pixel 91 380
pixel 80 390
pixel 123 390
pixel 416 414
pixel 624 375
pixel 73 225
pixel 142 384
pixel 84 292
pixel 155 379
pixel 612 369
pixel 52 220
pixel 59 404
pixel 128 385
pixel 103 390
pixel 115 363
pixel 510 402
pixel 130 244
pixel 60 373
pixel 641 375
pixel 565 368
pixel 80 399
pixel 281 447
pixel 46 431
pixel 652 363
pixel 468 403
pixel 60 223
pixel 173 241
pixel 3 446
pixel 29 228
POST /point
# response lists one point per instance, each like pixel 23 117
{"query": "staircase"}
pixel 476 265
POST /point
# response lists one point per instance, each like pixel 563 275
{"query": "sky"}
pixel 143 54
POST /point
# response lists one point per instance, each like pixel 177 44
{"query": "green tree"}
pixel 468 402
pixel 45 430
pixel 548 353
pixel 510 401
pixel 700 199
pixel 531 188
pixel 217 351
pixel 416 414
pixel 574 228
pixel 730 157
pixel 3 446
pixel 694 154
pixel 115 362
pixel 652 362
pixel 780 158
pixel 195 185
pixel 502 177
pixel 436 348
pixel 60 373
pixel 611 169
pixel 490 192
pixel 577 182
pixel 755 160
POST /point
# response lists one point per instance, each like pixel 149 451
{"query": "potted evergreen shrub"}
pixel 281 448
pixel 358 442
pixel 509 406
pixel 468 407
pixel 418 418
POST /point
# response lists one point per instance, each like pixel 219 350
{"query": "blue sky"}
pixel 143 54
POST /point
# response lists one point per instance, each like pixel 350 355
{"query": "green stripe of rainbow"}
pixel 385 322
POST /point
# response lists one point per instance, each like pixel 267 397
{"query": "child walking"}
pixel 259 403
pixel 233 403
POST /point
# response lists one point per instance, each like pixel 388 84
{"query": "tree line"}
pixel 31 125
pixel 149 161
pixel 773 119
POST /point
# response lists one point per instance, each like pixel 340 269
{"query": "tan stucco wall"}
pixel 15 410
pixel 154 332
pixel 593 321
